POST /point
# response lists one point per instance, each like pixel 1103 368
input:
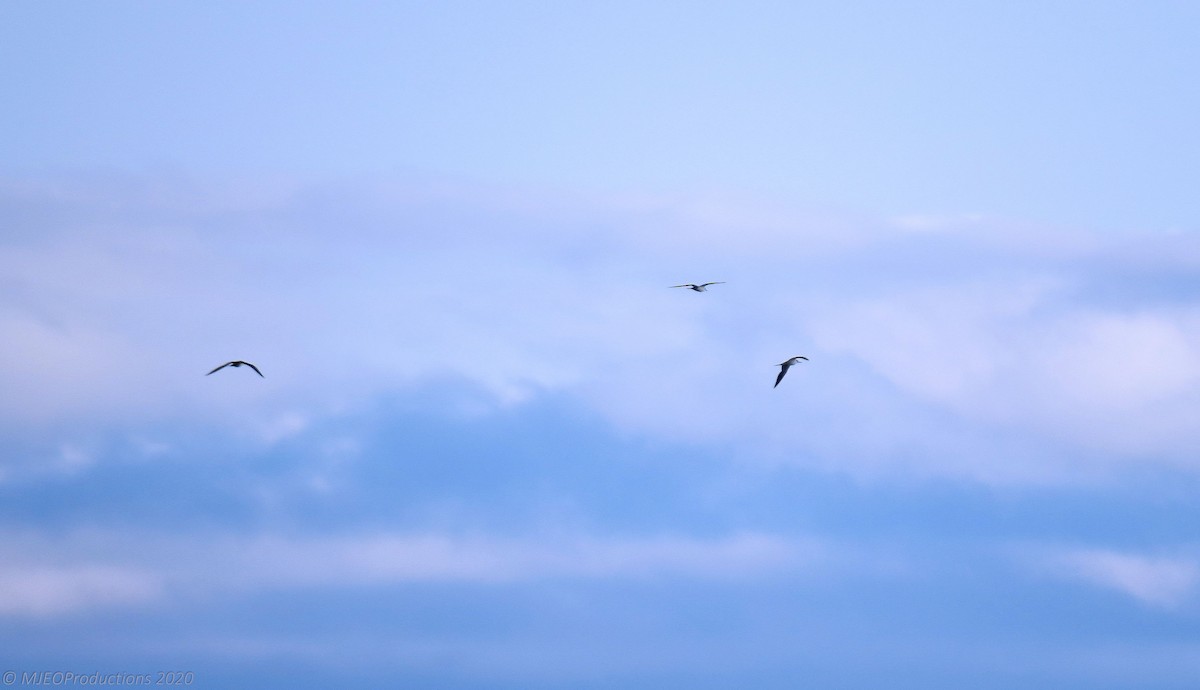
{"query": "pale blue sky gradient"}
pixel 1070 112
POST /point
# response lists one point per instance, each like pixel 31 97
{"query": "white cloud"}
pixel 51 576
pixel 943 344
pixel 1127 361
pixel 404 558
pixel 72 459
pixel 48 590
pixel 1015 356
pixel 1155 580
pixel 283 426
pixel 923 345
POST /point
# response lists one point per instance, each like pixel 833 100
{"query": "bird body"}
pixel 703 287
pixel 786 365
pixel 236 363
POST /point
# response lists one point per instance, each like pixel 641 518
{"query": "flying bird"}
pixel 235 363
pixel 703 287
pixel 786 365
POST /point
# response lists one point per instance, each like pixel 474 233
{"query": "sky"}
pixel 493 449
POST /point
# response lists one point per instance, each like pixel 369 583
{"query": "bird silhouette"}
pixel 236 363
pixel 703 287
pixel 787 365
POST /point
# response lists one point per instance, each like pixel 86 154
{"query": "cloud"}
pixel 53 576
pixel 1155 580
pixel 1020 355
pixel 41 591
pixel 925 347
pixel 396 558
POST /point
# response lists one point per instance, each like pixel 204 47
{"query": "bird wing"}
pixel 781 373
pixel 254 368
pixel 687 285
pixel 218 368
pixel 719 282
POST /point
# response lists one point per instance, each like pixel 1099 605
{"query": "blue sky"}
pixel 493 450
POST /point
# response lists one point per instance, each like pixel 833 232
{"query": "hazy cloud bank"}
pixel 962 346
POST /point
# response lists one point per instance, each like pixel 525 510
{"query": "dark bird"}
pixel 236 363
pixel 703 287
pixel 786 365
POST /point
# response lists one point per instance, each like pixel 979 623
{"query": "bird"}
pixel 703 287
pixel 786 365
pixel 236 363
